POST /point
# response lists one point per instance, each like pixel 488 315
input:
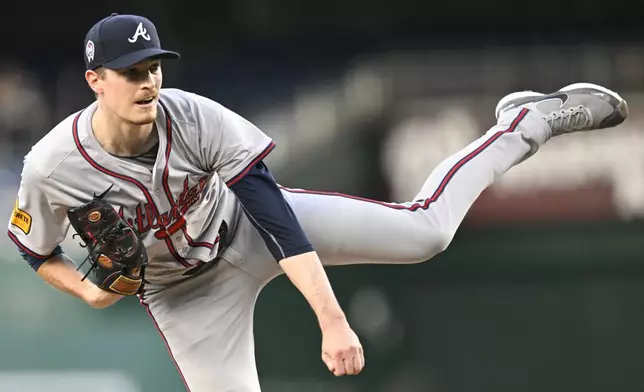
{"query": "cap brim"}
pixel 132 58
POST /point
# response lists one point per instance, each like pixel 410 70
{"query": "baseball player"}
pixel 178 182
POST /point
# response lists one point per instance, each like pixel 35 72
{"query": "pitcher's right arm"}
pixel 37 226
pixel 60 272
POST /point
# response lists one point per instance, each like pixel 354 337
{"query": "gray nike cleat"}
pixel 577 107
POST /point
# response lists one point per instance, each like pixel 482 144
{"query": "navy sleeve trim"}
pixel 35 263
pixel 34 259
pixel 250 166
pixel 270 213
pixel 25 249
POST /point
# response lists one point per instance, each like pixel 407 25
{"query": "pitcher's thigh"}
pixel 207 324
pixel 350 230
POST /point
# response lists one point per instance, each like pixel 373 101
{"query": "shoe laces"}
pixel 572 119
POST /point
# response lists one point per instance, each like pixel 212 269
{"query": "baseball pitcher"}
pixel 169 193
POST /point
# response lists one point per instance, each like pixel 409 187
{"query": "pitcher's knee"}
pixel 436 242
pixel 443 241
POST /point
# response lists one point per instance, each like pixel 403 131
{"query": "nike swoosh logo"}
pixel 562 97
pixel 104 193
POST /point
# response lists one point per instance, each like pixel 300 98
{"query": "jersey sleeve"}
pixel 229 144
pixel 36 225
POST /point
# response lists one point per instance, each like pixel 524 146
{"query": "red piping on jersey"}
pixel 261 156
pixel 165 341
pixel 193 243
pixel 24 248
pixel 131 180
pixel 424 204
pixel 166 186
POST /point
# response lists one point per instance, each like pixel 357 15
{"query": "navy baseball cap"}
pixel 120 41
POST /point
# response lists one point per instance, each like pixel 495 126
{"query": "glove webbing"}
pixel 106 234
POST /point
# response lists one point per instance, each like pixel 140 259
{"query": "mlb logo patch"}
pixel 89 51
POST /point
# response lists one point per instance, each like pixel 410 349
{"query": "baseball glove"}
pixel 118 257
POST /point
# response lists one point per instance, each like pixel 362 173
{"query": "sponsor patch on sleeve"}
pixel 21 219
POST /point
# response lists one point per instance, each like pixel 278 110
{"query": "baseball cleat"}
pixel 576 107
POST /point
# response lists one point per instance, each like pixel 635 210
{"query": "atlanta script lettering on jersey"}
pixel 147 217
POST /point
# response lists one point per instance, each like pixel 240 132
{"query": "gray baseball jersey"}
pixel 181 206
